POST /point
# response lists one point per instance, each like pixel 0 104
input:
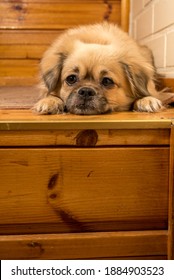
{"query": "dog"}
pixel 96 69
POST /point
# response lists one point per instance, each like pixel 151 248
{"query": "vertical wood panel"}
pixel 125 10
pixel 171 199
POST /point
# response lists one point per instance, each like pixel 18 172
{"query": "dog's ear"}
pixel 51 67
pixel 137 80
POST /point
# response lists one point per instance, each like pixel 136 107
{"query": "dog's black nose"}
pixel 86 92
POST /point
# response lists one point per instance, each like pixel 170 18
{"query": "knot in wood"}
pixel 87 138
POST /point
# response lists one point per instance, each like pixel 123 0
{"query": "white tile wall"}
pixel 163 14
pixel 170 49
pixel 144 24
pixel 137 6
pixel 146 2
pixel 159 52
pixel 152 24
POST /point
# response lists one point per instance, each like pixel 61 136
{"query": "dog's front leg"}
pixel 148 104
pixel 49 105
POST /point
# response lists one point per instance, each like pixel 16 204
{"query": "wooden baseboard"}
pixel 84 245
pixel 167 82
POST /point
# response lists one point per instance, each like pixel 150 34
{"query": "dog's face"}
pixel 94 73
pixel 91 83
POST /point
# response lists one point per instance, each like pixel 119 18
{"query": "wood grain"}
pixel 28 37
pixel 17 120
pixel 19 72
pixel 82 189
pixel 31 15
pixel 22 40
pixel 84 246
pixel 25 97
pixel 168 82
pixel 125 12
pixel 105 138
pixel 22 52
pixel 171 199
pixel 25 44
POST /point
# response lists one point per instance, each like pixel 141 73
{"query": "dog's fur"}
pixel 96 69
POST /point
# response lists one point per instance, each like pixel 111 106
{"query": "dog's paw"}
pixel 148 104
pixel 49 105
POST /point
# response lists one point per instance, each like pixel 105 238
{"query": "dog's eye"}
pixel 72 79
pixel 107 82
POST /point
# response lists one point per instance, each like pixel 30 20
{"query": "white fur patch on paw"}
pixel 148 104
pixel 49 105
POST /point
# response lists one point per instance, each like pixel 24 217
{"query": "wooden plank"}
pixel 58 16
pixel 60 1
pixel 22 51
pixel 24 97
pixel 18 98
pixel 120 188
pixel 171 199
pixel 17 120
pixel 26 120
pixel 168 82
pixel 28 37
pixel 86 138
pixel 84 246
pixel 125 12
pixel 57 227
pixel 19 72
pixel 25 44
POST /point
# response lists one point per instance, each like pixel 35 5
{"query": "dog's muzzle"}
pixel 86 101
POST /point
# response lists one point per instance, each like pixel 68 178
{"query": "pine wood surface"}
pixel 86 138
pixel 19 72
pixel 27 120
pixel 84 245
pixel 25 44
pixel 60 15
pixel 28 28
pixel 74 187
pixel 25 97
pixel 125 13
pixel 18 97
pixel 169 83
pixel 171 199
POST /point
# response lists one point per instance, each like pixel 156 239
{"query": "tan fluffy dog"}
pixel 96 69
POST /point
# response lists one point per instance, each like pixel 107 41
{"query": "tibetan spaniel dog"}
pixel 96 69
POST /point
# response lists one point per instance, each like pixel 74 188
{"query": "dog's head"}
pixel 96 78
